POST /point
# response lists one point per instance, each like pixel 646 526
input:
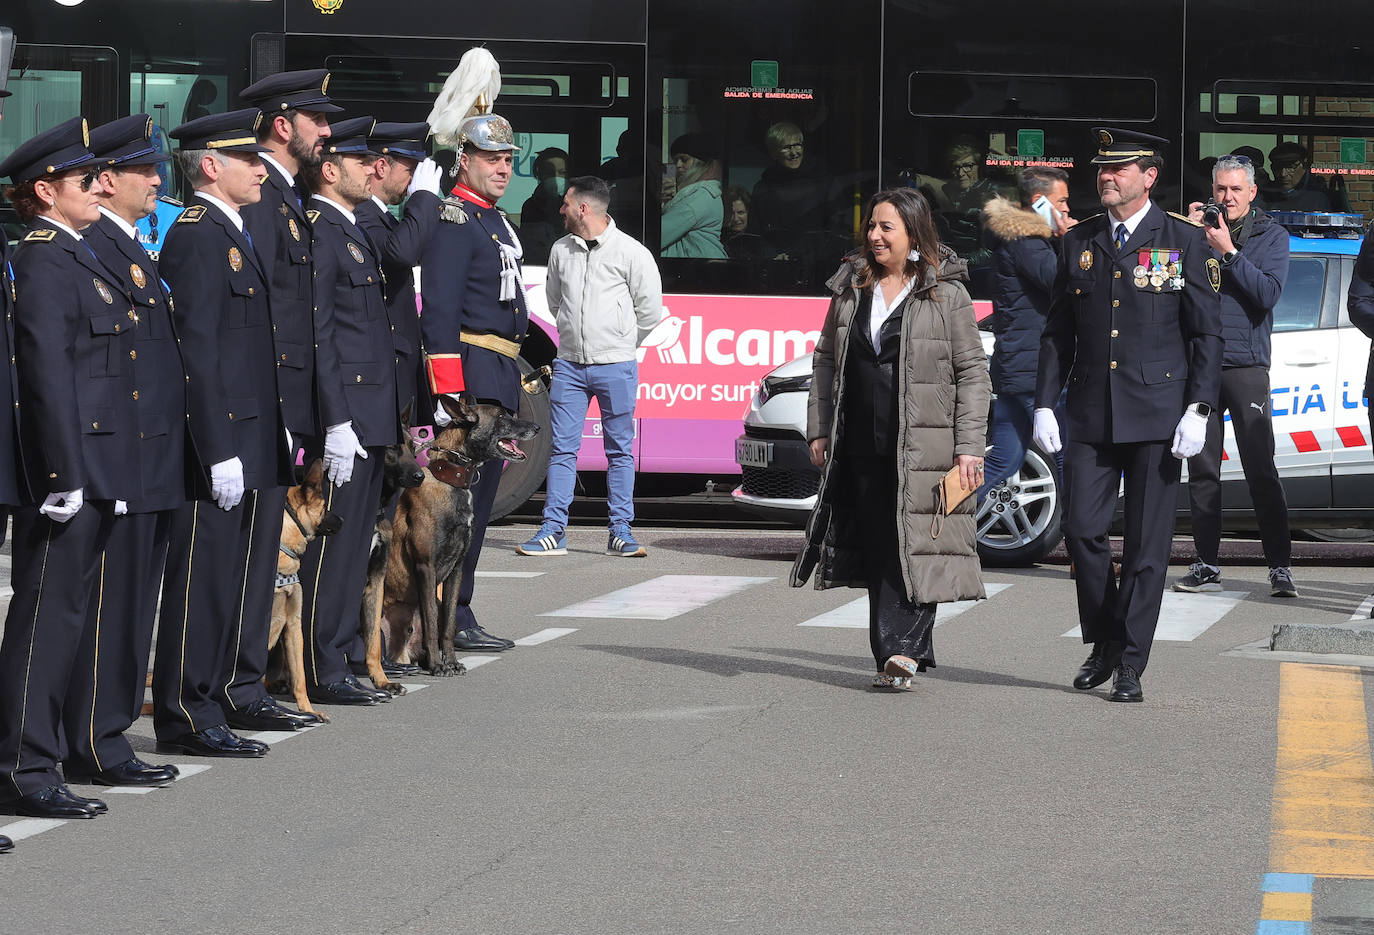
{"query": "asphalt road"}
pixel 688 745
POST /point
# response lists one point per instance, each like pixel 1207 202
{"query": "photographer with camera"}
pixel 1253 251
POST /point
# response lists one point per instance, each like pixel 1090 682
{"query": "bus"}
pixel 804 109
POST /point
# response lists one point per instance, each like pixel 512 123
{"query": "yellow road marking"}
pixel 1323 816
pixel 1289 907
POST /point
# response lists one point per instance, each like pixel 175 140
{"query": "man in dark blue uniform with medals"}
pixel 1135 332
pixel 74 329
pixel 350 306
pixel 474 315
pixel 225 325
pixel 107 697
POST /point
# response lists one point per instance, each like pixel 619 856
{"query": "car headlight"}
pixel 772 386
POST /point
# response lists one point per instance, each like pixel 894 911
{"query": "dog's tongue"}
pixel 511 446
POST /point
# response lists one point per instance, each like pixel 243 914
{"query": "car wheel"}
pixel 520 479
pixel 1018 523
pixel 1339 535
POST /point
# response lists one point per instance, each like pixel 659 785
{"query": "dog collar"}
pixel 462 476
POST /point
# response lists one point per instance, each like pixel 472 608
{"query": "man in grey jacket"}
pixel 606 295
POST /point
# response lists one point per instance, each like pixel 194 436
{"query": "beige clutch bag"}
pixel 948 495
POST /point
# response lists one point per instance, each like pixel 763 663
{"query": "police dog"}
pixel 401 472
pixel 304 518
pixel 432 530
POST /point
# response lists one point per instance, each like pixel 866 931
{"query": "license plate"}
pixel 753 453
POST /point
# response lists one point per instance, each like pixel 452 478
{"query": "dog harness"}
pixel 285 581
pixel 460 473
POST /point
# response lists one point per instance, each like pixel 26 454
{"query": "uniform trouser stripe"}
pixel 243 589
pixel 95 665
pixel 186 617
pixel 28 663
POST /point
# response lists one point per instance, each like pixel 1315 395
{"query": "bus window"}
pixel 53 83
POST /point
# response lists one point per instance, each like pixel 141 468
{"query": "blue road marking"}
pixel 1288 883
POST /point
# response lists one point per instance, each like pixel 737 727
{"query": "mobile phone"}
pixel 1041 206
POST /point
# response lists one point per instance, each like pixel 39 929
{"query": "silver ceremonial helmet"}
pixel 490 132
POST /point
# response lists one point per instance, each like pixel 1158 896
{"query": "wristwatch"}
pixel 1202 409
pixel 1229 257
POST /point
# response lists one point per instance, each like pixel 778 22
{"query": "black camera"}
pixel 1213 214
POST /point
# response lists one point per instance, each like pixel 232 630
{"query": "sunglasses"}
pixel 86 180
pixel 1243 160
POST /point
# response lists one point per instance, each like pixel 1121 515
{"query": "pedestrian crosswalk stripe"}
pixel 472 662
pixel 28 827
pixel 1184 617
pixel 543 636
pixel 270 737
pixel 129 790
pixel 660 598
pixel 854 615
pixel 1363 612
pixel 508 574
pixel 412 687
pixel 189 769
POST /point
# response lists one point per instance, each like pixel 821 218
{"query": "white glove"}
pixel 121 507
pixel 226 483
pixel 441 416
pixel 1190 435
pixel 1046 431
pixel 425 178
pixel 60 507
pixel 340 447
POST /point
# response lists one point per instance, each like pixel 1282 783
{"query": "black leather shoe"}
pixel 395 670
pixel 53 802
pixel 265 714
pixel 132 772
pixel 214 741
pixel 6 844
pixel 303 718
pixel 475 639
pixel 1097 668
pixel 340 692
pixel 374 692
pixel 1127 686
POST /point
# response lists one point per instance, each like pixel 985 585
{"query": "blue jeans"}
pixel 1013 423
pixel 570 393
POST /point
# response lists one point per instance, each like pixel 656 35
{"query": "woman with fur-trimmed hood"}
pixel 899 395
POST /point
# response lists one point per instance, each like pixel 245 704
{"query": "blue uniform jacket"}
pixel 350 304
pixel 14 488
pixel 167 458
pixel 74 328
pixel 460 290
pixel 224 319
pixel 281 234
pixel 401 244
pixel 1134 356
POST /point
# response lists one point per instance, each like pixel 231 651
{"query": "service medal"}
pixel 295 231
pixel 136 274
pixel 1141 281
pixel 1157 278
pixel 354 252
pixel 235 259
pixel 1176 284
pixel 1085 260
pixel 1140 271
pixel 104 292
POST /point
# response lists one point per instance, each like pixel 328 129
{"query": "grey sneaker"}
pixel 1200 577
pixel 1281 582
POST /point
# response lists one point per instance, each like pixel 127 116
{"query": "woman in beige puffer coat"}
pixel 899 396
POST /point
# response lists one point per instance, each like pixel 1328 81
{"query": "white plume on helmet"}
pixel 471 88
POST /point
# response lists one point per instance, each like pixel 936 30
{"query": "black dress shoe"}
pixel 169 767
pixel 395 670
pixel 303 718
pixel 132 772
pixel 5 844
pixel 263 714
pixel 214 741
pixel 374 692
pixel 1097 668
pixel 1127 686
pixel 340 692
pixel 53 802
pixel 510 644
pixel 475 639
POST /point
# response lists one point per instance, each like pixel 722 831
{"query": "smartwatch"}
pixel 1229 257
pixel 1202 409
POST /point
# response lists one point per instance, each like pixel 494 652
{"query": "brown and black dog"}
pixel 432 530
pixel 401 472
pixel 305 517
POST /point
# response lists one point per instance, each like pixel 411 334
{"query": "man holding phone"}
pixel 1025 257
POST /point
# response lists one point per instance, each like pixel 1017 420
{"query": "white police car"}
pixel 1321 423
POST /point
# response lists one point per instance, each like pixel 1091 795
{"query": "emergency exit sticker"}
pixel 1030 143
pixel 1353 150
pixel 763 74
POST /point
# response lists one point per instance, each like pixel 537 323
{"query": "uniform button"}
pixel 1167 374
pixel 1113 365
pixel 133 355
pixel 94 425
pixel 1115 333
pixel 1078 292
pixel 52 477
pixel 283 357
pixel 358 378
pixel 152 301
pixel 140 435
pixel 251 291
pixel 188 379
pixel 116 328
pixel 1116 303
pixel 133 316
pixel 231 415
pixel 1116 274
pixel 135 394
pixel 369 279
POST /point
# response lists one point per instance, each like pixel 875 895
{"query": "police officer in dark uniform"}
pixel 401 172
pixel 106 696
pixel 293 132
pixel 474 315
pixel 225 324
pixel 74 328
pixel 1135 332
pixel 350 304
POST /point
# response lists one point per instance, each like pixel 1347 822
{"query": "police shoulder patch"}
pixel 1214 273
pixel 192 214
pixel 313 215
pixel 169 201
pixel 41 235
pixel 1184 218
pixel 452 211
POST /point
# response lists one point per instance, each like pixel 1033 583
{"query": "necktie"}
pixel 1120 237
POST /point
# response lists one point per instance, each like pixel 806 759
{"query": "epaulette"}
pixel 313 214
pixel 169 201
pixel 192 214
pixel 452 211
pixel 1093 218
pixel 41 235
pixel 1185 218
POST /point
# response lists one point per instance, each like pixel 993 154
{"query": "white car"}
pixel 1321 430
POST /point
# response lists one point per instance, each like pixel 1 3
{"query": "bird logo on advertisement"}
pixel 666 339
pixel 327 6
